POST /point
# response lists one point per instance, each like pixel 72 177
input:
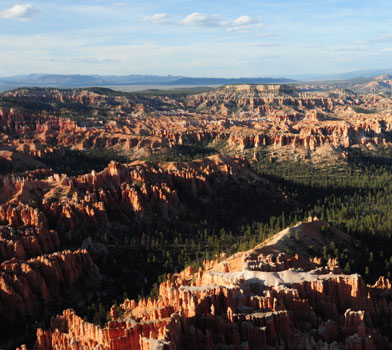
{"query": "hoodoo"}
pixel 103 193
pixel 270 297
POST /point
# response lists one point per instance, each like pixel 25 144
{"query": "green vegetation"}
pixel 75 162
pixel 181 153
pixel 356 197
pixel 136 265
pixel 364 110
pixel 173 92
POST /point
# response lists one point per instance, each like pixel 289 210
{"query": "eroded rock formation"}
pixel 136 191
pixel 275 296
pixel 259 299
pixel 33 274
pixel 27 286
pixel 236 117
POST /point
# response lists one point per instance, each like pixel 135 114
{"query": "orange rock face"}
pixel 27 286
pixel 239 117
pixel 252 300
pixel 139 190
pixel 26 243
pixel 266 298
pixel 33 275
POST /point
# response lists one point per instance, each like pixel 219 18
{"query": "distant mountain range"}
pixel 371 73
pixel 76 80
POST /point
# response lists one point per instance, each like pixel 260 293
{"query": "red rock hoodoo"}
pixel 259 299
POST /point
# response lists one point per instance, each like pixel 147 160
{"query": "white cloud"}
pixel 202 20
pixel 243 23
pixel 197 19
pixel 158 18
pixel 21 12
pixel 387 49
pixel 242 20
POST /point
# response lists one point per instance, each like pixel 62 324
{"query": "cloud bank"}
pixel 205 20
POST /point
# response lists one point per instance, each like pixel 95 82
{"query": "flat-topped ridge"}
pixel 275 89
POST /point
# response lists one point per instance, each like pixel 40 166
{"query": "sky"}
pixel 222 38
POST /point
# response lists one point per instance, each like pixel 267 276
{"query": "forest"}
pixel 355 196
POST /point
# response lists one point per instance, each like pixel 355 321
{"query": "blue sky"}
pixel 194 38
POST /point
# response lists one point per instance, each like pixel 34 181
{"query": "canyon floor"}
pixel 241 217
